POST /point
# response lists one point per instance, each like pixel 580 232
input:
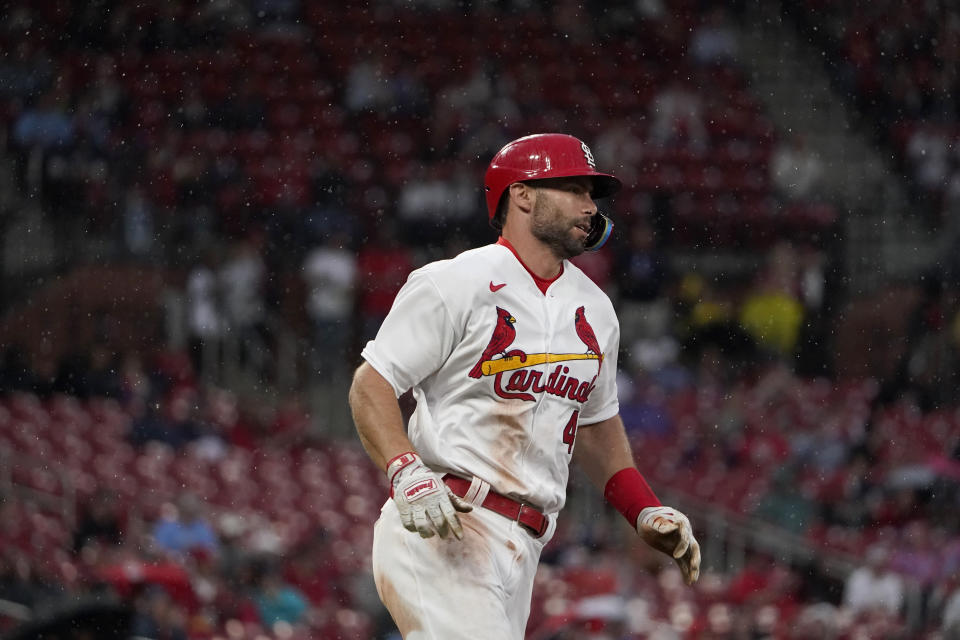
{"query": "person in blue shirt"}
pixel 278 601
pixel 183 528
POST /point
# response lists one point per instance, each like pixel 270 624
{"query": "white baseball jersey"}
pixel 502 373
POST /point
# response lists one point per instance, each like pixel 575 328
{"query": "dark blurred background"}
pixel 207 207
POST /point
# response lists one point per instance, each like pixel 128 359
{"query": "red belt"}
pixel 526 515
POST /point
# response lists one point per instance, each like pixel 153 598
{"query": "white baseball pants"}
pixel 478 588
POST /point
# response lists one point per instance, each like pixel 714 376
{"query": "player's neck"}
pixel 535 256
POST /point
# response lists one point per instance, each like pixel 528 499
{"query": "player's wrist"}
pixel 628 492
pixel 649 514
pixel 400 463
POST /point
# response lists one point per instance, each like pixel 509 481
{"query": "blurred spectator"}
pixel 20 581
pixel 103 377
pixel 328 187
pixel 785 504
pixel 848 492
pixel 330 273
pixel 367 85
pixel 207 584
pixel 276 11
pixel 204 315
pixel 927 151
pixel 820 621
pixel 619 148
pixel 950 624
pixel 645 410
pixel 823 445
pixel 644 277
pixel 383 265
pixel 14 582
pixel 191 113
pixel 771 312
pixel 795 169
pixel 676 114
pixel 99 521
pixel 67 182
pixel 25 72
pixel 815 294
pixel 242 279
pixel 434 201
pixel 103 105
pixel 186 420
pixel 290 424
pixel 45 126
pixel 220 412
pixel 183 527
pixel 135 384
pixel 157 616
pixel 874 586
pixel 225 15
pixel 147 424
pixel 916 557
pixel 764 580
pixel 137 225
pixel 277 600
pixel 714 41
pixel 311 572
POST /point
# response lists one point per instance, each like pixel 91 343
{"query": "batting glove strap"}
pixel 669 531
pixel 399 463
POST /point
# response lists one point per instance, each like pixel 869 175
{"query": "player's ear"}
pixel 523 195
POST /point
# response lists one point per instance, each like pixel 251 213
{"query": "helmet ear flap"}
pixel 600 229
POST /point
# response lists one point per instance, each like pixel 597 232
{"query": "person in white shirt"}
pixel 873 586
pixel 330 275
pixel 204 319
pixel 510 351
pixel 795 169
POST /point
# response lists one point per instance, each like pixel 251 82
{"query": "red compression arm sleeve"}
pixel 629 494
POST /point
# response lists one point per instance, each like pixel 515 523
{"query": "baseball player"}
pixel 511 355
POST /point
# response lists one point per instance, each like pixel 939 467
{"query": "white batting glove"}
pixel 669 531
pixel 425 503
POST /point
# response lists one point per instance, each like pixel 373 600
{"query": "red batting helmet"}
pixel 543 155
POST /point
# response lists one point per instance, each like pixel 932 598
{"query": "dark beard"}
pixel 550 229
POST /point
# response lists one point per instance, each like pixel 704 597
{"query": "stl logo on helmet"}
pixel 588 155
pixel 524 381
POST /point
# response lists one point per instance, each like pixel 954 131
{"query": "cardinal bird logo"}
pixel 503 336
pixel 518 375
pixel 586 334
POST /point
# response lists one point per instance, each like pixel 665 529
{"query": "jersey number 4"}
pixel 570 431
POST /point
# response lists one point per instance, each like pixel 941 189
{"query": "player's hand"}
pixel 669 531
pixel 425 503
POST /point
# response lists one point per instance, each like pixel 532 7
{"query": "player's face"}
pixel 562 214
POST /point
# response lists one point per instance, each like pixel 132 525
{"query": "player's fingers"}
pixel 690 563
pixel 694 562
pixel 682 545
pixel 685 535
pixel 406 519
pixel 459 503
pixel 451 519
pixel 438 520
pixel 423 525
pixel 665 525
